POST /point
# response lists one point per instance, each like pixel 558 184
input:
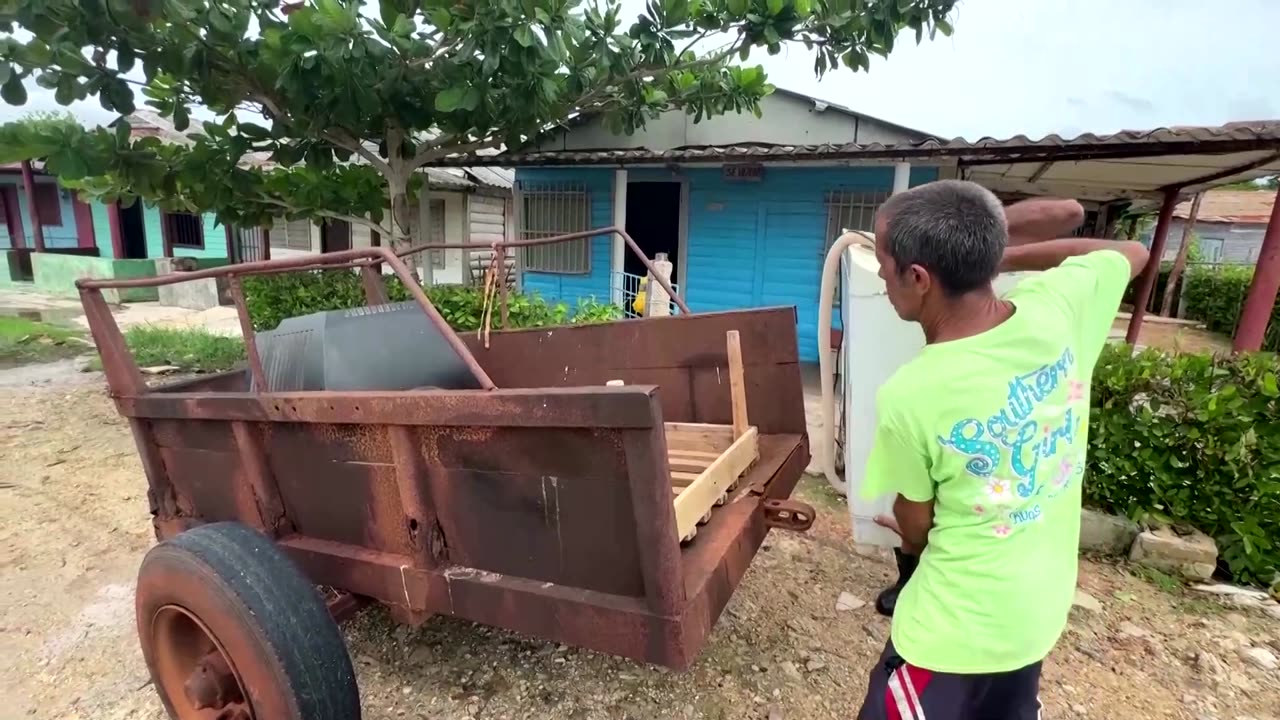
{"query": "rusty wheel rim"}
pixel 193 670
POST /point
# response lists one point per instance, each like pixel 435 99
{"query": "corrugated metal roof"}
pixel 1235 137
pixel 1232 206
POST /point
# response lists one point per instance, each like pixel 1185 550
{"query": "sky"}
pixel 1035 67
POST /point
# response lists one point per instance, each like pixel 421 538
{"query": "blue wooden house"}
pixel 743 222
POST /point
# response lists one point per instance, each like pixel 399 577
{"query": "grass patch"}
pixel 24 341
pixel 1162 580
pixel 193 350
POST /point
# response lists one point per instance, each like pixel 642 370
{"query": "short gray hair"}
pixel 953 228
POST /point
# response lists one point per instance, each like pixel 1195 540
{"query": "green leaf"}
pixel 448 100
pixel 524 35
pixel 6 70
pixel 737 7
pixel 774 6
pixel 125 57
pixel 13 92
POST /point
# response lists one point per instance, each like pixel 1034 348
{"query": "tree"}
pixel 358 97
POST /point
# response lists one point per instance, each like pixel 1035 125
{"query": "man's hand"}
pixel 1038 219
pixel 912 522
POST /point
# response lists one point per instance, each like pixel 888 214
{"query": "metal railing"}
pixel 628 287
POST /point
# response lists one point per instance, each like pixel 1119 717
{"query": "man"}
pixel 982 437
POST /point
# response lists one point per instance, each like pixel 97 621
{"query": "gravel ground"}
pixel 74 525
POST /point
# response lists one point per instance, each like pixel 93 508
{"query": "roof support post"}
pixel 1149 274
pixel 29 187
pixel 617 250
pixel 901 176
pixel 1261 299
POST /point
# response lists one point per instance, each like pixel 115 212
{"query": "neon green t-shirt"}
pixel 993 428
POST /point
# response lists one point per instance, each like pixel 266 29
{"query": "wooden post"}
pixel 1149 273
pixel 1166 305
pixel 29 186
pixel 737 384
pixel 1261 300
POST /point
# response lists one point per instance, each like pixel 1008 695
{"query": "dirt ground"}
pixel 74 525
pixel 1176 337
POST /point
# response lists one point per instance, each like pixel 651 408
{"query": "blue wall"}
pixel 215 238
pixel 751 244
pixel 55 236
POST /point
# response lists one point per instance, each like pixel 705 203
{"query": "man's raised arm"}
pixel 1037 219
pixel 1051 253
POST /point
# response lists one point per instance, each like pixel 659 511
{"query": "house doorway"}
pixel 133 232
pixel 653 221
pixel 335 235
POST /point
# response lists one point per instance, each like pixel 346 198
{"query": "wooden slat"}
pixel 700 496
pixel 679 464
pixel 737 384
pixel 699 437
pixel 684 479
pixel 705 457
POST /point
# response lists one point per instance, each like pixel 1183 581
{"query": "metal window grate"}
pixel 550 210
pixel 185 230
pixel 851 210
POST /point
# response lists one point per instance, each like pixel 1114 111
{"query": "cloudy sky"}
pixel 1041 66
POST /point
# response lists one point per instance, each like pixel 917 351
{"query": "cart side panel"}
pixel 683 355
pixel 549 504
pixel 523 484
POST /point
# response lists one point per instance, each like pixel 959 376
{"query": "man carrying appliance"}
pixel 983 438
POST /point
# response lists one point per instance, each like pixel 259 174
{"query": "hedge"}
pixel 1215 296
pixel 272 298
pixel 1192 439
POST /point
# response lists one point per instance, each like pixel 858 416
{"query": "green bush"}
pixel 1215 296
pixel 272 298
pixel 1192 439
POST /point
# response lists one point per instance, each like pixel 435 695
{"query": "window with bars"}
pixel 550 210
pixel 850 210
pixel 184 230
pixel 48 203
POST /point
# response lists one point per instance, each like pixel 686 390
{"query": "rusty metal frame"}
pixel 217 454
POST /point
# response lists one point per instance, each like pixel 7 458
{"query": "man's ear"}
pixel 920 279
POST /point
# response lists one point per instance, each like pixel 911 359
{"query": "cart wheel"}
pixel 231 630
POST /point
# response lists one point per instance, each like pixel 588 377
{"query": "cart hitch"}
pixel 788 515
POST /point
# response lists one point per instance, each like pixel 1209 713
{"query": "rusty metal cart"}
pixel 553 502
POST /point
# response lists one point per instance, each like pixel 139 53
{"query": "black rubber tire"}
pixel 256 603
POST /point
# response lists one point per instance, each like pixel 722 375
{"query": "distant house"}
pixel 1228 229
pixel 110 240
pixel 468 205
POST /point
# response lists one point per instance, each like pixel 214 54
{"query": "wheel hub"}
pixel 194 671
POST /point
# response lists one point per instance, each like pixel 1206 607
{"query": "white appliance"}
pixel 876 343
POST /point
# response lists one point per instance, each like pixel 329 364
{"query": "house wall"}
pixel 750 244
pixel 787 120
pixel 62 235
pixel 1237 243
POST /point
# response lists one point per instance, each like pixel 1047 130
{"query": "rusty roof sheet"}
pixel 1232 137
pixel 1232 206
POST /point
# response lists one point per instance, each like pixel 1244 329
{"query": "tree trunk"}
pixel 1166 306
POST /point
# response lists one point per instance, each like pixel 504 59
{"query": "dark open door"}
pixel 12 217
pixel 335 235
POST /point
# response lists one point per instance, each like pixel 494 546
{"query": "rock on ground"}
pixel 1193 556
pixel 1107 534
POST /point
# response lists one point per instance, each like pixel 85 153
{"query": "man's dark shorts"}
pixel 898 691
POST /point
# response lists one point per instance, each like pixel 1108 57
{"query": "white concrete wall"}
pixel 786 120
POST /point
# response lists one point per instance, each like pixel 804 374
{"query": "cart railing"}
pixel 124 377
